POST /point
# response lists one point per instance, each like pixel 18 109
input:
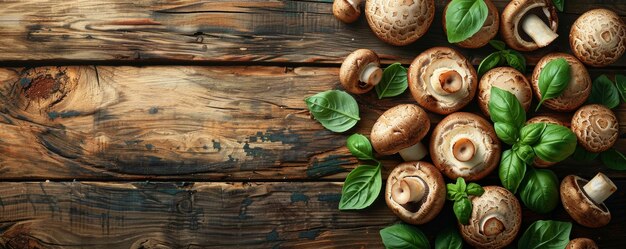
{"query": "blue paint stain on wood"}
pixel 6 119
pixel 25 82
pixel 329 166
pixel 64 114
pixel 132 142
pixel 329 197
pixel 282 135
pixel 153 110
pixel 310 234
pixel 217 145
pixel 244 208
pixel 297 197
pixel 272 236
pixel 149 146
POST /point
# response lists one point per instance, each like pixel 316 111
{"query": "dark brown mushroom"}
pixel 347 11
pixel 581 243
pixel 400 129
pixel 584 200
pixel 360 71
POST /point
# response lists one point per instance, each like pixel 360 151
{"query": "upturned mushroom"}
pixel 577 90
pixel 360 71
pixel 584 200
pixel 415 192
pixel 495 220
pixel 488 31
pixel 596 127
pixel 400 129
pixel 347 11
pixel 465 145
pixel 548 120
pixel 508 79
pixel 441 80
pixel 529 24
pixel 399 23
pixel 598 37
pixel 581 243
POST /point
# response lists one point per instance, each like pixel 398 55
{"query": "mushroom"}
pixel 415 192
pixel 488 31
pixel 586 205
pixel 548 120
pixel 495 220
pixel 581 243
pixel 508 79
pixel 523 28
pixel 442 80
pixel 360 71
pixel 596 127
pixel 399 23
pixel 465 145
pixel 347 11
pixel 577 90
pixel 400 129
pixel 598 37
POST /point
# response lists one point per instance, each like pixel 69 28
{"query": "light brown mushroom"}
pixel 495 220
pixel 548 120
pixel 598 37
pixel 581 243
pixel 465 145
pixel 577 90
pixel 441 80
pixel 596 127
pixel 508 79
pixel 488 31
pixel 360 71
pixel 347 11
pixel 584 200
pixel 415 192
pixel 400 129
pixel 399 23
pixel 529 24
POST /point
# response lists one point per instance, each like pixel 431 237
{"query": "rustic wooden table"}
pixel 181 124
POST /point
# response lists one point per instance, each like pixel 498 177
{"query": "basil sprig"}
pixel 459 193
pixel 546 234
pixel 502 57
pixel 449 238
pixel 464 18
pixel 403 236
pixel 336 110
pixel 394 81
pixel 362 186
pixel 559 4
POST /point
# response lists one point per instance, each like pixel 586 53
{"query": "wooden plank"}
pixel 216 31
pixel 217 123
pixel 216 215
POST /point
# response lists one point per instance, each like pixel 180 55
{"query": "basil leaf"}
pixel 511 171
pixel 449 238
pixel 582 155
pixel 613 159
pixel 452 193
pixel 559 4
pixel 361 188
pixel 553 79
pixel 403 236
pixel 556 143
pixel 515 60
pixel 505 107
pixel 506 132
pixel 525 153
pixel 463 210
pixel 460 185
pixel 360 147
pixel 465 18
pixel 531 133
pixel 620 81
pixel 491 61
pixel 497 44
pixel 335 110
pixel 394 81
pixel 475 189
pixel 604 92
pixel 546 234
pixel 539 190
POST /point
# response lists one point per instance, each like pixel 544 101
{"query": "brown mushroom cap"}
pixel 435 192
pixel 486 33
pixel 581 243
pixel 514 13
pixel 499 211
pixel 457 127
pixel 399 127
pixel 399 23
pixel 596 127
pixel 598 37
pixel 353 66
pixel 433 71
pixel 345 11
pixel 508 79
pixel 579 206
pixel 576 92
pixel 548 120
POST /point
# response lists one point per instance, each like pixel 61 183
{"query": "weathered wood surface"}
pixel 216 31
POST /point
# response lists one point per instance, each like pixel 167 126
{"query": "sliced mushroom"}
pixel 442 80
pixel 400 129
pixel 577 90
pixel 596 127
pixel 548 120
pixel 581 243
pixel 360 71
pixel 522 25
pixel 488 31
pixel 415 192
pixel 508 79
pixel 465 145
pixel 347 11
pixel 598 37
pixel 495 220
pixel 586 204
pixel 399 23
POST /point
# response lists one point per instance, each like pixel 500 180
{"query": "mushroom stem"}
pixel 355 3
pixel 449 81
pixel 491 225
pixel 414 153
pixel 599 188
pixel 464 150
pixel 541 34
pixel 371 74
pixel 409 189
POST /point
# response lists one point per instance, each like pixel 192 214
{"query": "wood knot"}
pixel 41 87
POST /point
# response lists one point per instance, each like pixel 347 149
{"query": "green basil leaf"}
pixel 546 234
pixel 491 61
pixel 511 171
pixel 540 190
pixel 463 210
pixel 403 236
pixel 620 81
pixel 497 44
pixel 553 79
pixel 449 238
pixel 557 142
pixel 515 60
pixel 464 18
pixel 604 92
pixel 460 185
pixel 506 132
pixel 613 159
pixel 451 192
pixel 360 147
pixel 505 107
pixel 394 81
pixel 474 189
pixel 361 188
pixel 531 133
pixel 582 155
pixel 559 4
pixel 524 152
pixel 335 110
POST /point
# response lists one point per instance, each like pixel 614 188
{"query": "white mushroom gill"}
pixel 599 188
pixel 371 74
pixel 414 153
pixel 408 189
